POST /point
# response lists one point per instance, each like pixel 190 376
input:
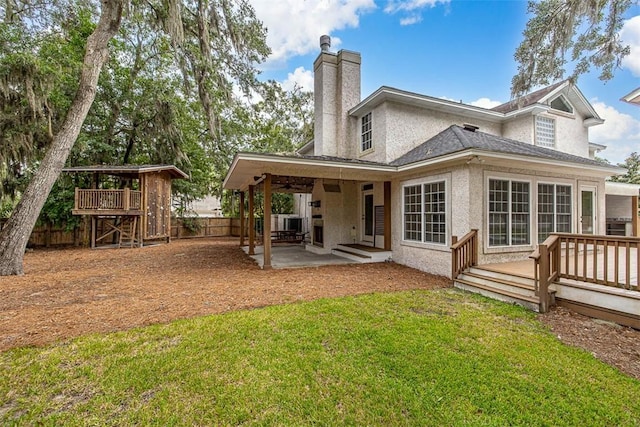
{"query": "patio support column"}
pixel 241 213
pixel 267 223
pixel 387 215
pixel 634 216
pixel 252 224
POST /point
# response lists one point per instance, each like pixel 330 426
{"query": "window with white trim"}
pixel 509 213
pixel 554 210
pixel 545 131
pixel 561 104
pixel 367 140
pixel 425 213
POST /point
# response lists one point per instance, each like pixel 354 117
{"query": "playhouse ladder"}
pixel 128 229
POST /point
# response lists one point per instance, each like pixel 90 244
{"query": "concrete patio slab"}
pixel 295 256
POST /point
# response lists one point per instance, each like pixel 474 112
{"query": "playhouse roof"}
pixel 128 170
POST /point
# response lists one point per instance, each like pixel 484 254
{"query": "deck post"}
pixel 544 278
pixel 266 234
pixel 387 215
pixel 241 213
pixel 126 202
pixel 634 216
pixel 252 223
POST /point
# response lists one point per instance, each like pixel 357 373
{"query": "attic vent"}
pixel 470 127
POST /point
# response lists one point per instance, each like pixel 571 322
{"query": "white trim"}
pixel 594 207
pixel 510 178
pixel 555 183
pixel 446 179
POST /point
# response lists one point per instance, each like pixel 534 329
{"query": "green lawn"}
pixel 413 358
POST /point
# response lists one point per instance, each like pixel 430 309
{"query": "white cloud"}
pixel 620 133
pixel 294 26
pixel 411 8
pixel 486 103
pixel 630 34
pixel 394 6
pixel 301 77
pixel 410 20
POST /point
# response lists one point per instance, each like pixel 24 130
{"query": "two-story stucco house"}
pixel 406 173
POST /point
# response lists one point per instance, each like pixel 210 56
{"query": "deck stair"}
pixel 510 287
pixel 361 253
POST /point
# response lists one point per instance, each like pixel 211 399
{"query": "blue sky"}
pixel 454 49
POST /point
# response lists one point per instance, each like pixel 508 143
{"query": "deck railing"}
pixel 464 253
pixel 603 260
pixel 125 199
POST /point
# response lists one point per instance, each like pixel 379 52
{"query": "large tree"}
pixel 215 43
pixel 577 33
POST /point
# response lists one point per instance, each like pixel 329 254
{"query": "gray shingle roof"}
pixel 528 99
pixel 456 139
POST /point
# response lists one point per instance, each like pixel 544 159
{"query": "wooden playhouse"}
pixel 127 205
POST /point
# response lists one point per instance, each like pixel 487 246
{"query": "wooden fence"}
pixel 51 236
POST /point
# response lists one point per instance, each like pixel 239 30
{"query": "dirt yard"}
pixel 71 292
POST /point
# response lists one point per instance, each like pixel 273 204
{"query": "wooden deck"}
pixel 584 266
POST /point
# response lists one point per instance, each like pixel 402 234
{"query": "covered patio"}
pixel 335 186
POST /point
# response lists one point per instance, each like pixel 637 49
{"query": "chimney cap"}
pixel 325 43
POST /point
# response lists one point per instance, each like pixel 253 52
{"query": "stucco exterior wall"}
pixel 399 128
pixel 571 135
pixel 520 129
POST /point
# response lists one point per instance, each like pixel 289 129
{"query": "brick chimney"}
pixel 336 90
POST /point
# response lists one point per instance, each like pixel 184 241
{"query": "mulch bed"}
pixel 66 293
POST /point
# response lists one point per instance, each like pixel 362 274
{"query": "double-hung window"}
pixel 425 213
pixel 554 210
pixel 509 213
pixel 366 139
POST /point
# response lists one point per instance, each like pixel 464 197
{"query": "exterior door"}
pixel 367 216
pixel 587 210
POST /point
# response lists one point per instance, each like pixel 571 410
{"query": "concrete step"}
pixel 530 302
pixel 361 255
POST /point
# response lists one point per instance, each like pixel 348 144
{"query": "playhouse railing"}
pixel 125 199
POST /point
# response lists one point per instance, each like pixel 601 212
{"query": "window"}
pixel 367 142
pixel 554 210
pixel 545 131
pixel 561 104
pixel 425 211
pixel 509 213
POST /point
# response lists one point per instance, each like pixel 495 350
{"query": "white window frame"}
pixel 510 213
pixel 422 214
pixel 555 207
pixel 544 126
pixel 366 132
pixel 565 101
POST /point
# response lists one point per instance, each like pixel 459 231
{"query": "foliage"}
pixel 281 203
pixel 632 164
pixel 409 358
pixel 584 33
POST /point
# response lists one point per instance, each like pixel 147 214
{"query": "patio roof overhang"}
pixel 247 169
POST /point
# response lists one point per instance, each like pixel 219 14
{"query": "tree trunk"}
pixel 15 235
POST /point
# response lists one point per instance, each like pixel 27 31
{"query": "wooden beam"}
pixel 387 215
pixel 252 223
pixel 266 235
pixel 241 213
pixel 634 216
